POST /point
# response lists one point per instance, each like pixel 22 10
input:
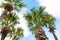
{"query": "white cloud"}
pixel 52 6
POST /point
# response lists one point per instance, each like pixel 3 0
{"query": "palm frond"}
pixel 39 17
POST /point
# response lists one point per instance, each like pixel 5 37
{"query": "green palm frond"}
pixel 10 19
pixel 28 16
pixel 41 9
pixel 18 4
pixel 49 19
pixel 39 17
pixel 32 29
pixel 16 31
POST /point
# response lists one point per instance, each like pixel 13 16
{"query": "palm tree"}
pixel 51 23
pixel 36 22
pixel 16 33
pixel 38 19
pixel 10 21
pixel 17 4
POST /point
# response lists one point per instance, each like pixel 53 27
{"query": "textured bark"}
pixel 37 39
pixel 8 7
pixel 40 34
pixel 4 13
pixel 14 38
pixel 54 35
pixel 51 29
pixel 3 36
pixel 4 31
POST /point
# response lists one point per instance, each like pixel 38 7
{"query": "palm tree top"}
pixel 17 4
pixel 10 20
pixel 39 17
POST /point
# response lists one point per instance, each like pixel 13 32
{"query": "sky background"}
pixel 52 7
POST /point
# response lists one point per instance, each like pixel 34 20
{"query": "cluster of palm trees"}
pixel 9 19
pixel 36 18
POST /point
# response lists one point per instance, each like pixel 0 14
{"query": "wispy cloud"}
pixel 52 6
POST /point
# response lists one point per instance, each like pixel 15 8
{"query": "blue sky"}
pixel 30 4
pixel 35 3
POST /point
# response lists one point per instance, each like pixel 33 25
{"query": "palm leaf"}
pixel 39 17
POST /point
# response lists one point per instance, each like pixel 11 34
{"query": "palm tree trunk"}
pixel 2 39
pixel 54 35
pixel 36 38
pixel 14 38
pixel 51 29
pixel 3 36
pixel 39 33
